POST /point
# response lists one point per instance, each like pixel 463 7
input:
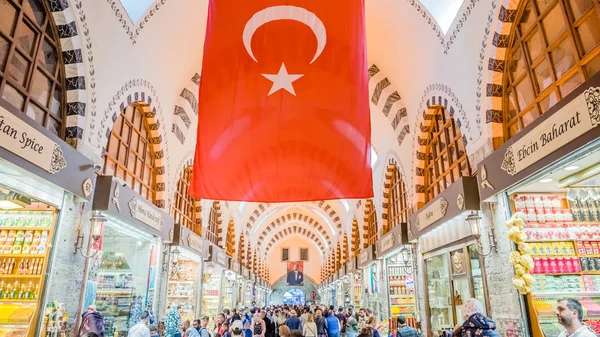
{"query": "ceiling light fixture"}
pixel 545 180
pixel 571 168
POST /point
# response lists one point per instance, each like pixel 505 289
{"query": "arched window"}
pixel 397 205
pixel 31 72
pixel 445 155
pixel 554 47
pixel 129 154
pixel 186 210
pixel 355 238
pixel 230 242
pixel 212 232
pixel 370 224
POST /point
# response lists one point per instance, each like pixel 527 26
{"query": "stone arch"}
pixel 291 229
pixel 298 231
pixel 75 80
pixel 428 107
pixel 186 109
pixel 388 101
pixel 157 146
pixel 293 217
pixel 329 210
pixel 507 14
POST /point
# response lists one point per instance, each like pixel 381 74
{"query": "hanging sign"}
pixel 432 213
pixel 571 121
pixel 221 258
pixel 28 143
pixel 143 212
pixel 235 267
pixel 195 242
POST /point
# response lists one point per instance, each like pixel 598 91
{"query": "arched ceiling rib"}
pixel 328 211
pixel 292 228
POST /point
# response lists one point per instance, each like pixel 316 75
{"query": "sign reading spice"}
pixel 432 213
pixel 146 214
pixel 28 143
pixel 574 119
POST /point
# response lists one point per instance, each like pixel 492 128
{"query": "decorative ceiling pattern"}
pixel 294 217
pixel 291 231
pixel 133 29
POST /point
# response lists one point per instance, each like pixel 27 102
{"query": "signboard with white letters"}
pixel 571 121
pixel 142 211
pixel 28 143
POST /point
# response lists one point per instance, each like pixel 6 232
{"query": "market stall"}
pixel 129 268
pixel 340 288
pixel 213 278
pixel 399 271
pixel 372 283
pixel 548 174
pixel 454 269
pixel 35 189
pixel 184 283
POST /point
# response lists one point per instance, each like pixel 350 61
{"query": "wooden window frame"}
pixel 399 210
pixel 47 33
pixel 123 132
pixel 288 254
pixel 300 254
pixel 212 231
pixel 371 216
pixel 441 164
pixel 519 40
pixel 183 209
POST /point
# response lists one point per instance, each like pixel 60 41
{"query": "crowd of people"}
pixel 320 321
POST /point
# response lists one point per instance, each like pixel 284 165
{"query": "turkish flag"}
pixel 283 111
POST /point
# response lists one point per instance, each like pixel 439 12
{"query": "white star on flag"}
pixel 282 80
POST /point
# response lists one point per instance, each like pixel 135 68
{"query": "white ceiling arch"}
pixel 282 215
pixel 326 210
pixel 289 229
pixel 278 237
pixel 297 218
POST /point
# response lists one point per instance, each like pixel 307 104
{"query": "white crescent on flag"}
pixel 285 13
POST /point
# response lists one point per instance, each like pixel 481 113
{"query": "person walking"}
pixel 258 326
pixel 309 329
pixel 352 327
pixel 91 321
pixel 141 328
pixel 475 322
pixel 569 313
pixel 173 322
pixel 203 331
pixel 405 330
pixel 372 325
pixel 321 323
pixel 189 330
pixel 293 322
pixel 284 331
pixel 333 324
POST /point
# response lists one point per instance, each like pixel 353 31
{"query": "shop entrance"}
pixel 294 297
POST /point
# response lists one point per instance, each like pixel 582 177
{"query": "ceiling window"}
pixel 136 8
pixel 303 254
pixel 285 254
pixel 444 12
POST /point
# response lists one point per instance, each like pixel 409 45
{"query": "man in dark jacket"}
pixel 269 325
pixel 405 330
pixel 234 317
pixel 293 322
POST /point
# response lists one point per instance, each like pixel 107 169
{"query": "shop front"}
pixel 399 273
pixel 238 284
pixel 213 282
pixel 341 292
pixel 184 283
pixel 41 177
pixel 372 279
pixel 247 287
pixel 354 276
pixel 547 175
pixel 127 277
pixel 453 265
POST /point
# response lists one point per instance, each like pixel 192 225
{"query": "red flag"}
pixel 283 111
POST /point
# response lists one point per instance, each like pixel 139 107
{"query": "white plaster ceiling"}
pixel 162 44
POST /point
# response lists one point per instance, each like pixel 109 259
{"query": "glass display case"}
pixel 340 294
pixel 401 289
pixel 357 289
pixel 183 286
pixel 25 241
pixel 453 276
pixel 127 271
pixel 227 290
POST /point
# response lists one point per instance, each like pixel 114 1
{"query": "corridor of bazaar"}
pixel 172 167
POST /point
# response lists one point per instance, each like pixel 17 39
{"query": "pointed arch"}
pixel 370 224
pixel 355 238
pixel 396 209
pixel 441 157
pixel 133 152
pixel 230 240
pixel 213 232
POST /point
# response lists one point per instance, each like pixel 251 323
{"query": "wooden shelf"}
pixel 18 228
pixel 24 255
pixel 16 300
pixel 19 276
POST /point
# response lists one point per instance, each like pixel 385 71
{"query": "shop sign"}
pixel 432 213
pixel 235 266
pixel 194 242
pixel 143 212
pixel 28 143
pixel 221 258
pixel 387 243
pixel 365 257
pixel 350 265
pixel 571 121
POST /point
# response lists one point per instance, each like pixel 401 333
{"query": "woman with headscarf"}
pixel 475 322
